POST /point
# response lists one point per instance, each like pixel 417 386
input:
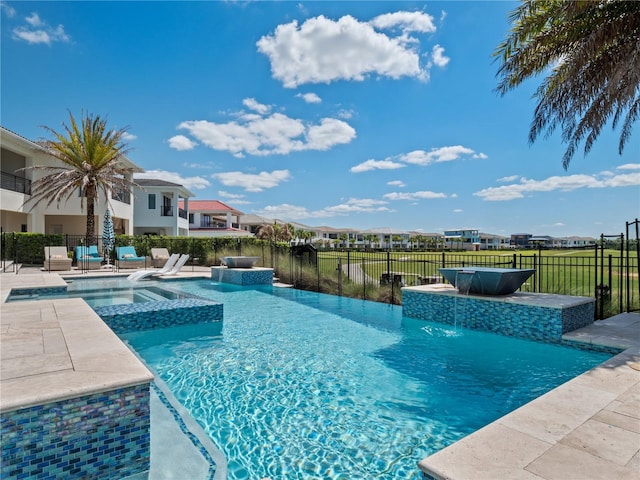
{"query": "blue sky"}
pixel 346 114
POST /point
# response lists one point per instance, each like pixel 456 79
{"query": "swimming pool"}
pixel 295 384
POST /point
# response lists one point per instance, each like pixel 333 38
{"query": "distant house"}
pixel 462 239
pixel 213 218
pixel 161 208
pixel 520 240
pixel 489 241
pixel 17 214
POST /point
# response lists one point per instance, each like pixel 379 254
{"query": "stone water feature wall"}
pixel 243 276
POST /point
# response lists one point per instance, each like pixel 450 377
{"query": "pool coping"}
pixel 556 436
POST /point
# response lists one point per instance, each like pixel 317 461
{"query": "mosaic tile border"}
pixel 100 436
pixel 185 430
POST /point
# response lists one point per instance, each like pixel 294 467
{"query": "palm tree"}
pixel 265 232
pixel 590 52
pixel 93 158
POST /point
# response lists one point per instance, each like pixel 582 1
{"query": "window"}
pixel 152 201
pixel 191 218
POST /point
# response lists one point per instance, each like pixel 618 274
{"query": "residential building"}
pixel 19 213
pixel 462 239
pixel 161 208
pixel 212 218
pixel 490 241
pixel 520 240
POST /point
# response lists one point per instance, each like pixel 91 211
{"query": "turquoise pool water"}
pixel 300 385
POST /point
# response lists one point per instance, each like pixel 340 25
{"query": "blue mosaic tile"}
pixel 99 429
pixel 149 315
pixel 242 276
pixel 543 323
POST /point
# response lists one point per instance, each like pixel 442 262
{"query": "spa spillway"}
pixel 486 280
pixel 240 261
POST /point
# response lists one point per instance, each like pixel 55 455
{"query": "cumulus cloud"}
pixel 322 50
pixel 562 183
pixel 262 133
pixel 37 31
pixel 237 199
pixel 629 166
pixel 421 195
pixel 309 97
pixel 252 182
pixel 129 136
pixel 352 205
pixel 180 142
pixel 418 157
pixel 397 183
pixel 191 183
pixel 510 178
pixel 437 56
pixel 376 165
pixel 442 154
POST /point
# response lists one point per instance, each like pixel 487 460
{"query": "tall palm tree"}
pixel 92 157
pixel 589 52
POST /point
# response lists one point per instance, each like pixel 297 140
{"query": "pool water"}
pixel 104 293
pixel 301 385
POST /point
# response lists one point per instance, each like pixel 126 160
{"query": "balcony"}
pixel 124 197
pixel 166 211
pixel 182 213
pixel 15 183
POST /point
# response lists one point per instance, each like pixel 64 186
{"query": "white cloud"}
pixel 252 104
pixel 252 182
pixel 629 166
pixel 309 97
pixel 129 136
pixel 258 134
pixel 510 178
pixel 236 198
pixel 442 154
pixel 565 184
pixel 191 183
pixel 36 31
pixel 397 183
pixel 353 205
pixel 457 210
pixel 438 57
pixel 322 50
pixel 180 142
pixel 407 21
pixel 421 195
pixel 376 165
pixel 7 9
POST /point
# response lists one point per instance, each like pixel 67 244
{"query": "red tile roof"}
pixel 210 206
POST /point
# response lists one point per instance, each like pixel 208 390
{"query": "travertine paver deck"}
pixel 588 428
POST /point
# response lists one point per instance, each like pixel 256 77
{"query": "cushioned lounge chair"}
pixel 159 256
pixel 56 259
pixel 128 258
pixel 168 266
pixel 88 258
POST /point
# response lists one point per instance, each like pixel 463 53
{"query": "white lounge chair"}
pixel 178 266
pixel 168 266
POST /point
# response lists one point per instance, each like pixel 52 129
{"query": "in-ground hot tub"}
pixel 486 280
pixel 239 261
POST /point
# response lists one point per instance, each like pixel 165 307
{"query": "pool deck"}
pixel 587 428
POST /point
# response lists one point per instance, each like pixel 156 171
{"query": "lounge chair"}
pixel 56 259
pixel 128 258
pixel 159 256
pixel 168 266
pixel 88 258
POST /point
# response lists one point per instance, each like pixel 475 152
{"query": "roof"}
pixel 210 206
pixel 156 182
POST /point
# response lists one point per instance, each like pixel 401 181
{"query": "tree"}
pixel 93 158
pixel 590 52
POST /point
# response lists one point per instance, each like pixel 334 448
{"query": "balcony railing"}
pixel 182 213
pixel 15 183
pixel 166 211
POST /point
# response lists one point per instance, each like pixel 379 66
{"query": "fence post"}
pixel 513 262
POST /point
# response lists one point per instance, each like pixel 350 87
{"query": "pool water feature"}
pixel 297 384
